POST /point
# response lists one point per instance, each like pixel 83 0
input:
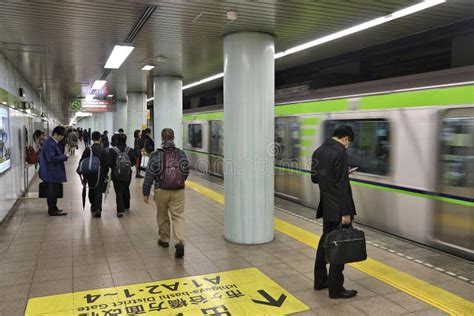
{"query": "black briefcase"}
pixel 345 245
pixel 43 190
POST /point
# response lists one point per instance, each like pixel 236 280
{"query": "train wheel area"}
pixel 80 265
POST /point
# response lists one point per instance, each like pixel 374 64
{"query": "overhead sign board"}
pixel 92 105
pixel 238 292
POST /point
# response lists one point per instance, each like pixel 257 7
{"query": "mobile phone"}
pixel 351 170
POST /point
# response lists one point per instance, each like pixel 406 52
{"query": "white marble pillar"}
pixel 249 93
pixel 120 117
pixel 168 107
pixel 136 114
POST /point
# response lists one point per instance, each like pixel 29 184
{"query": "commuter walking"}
pixel 72 140
pixel 114 137
pixel 331 170
pixel 97 180
pixel 137 148
pixel 168 170
pixel 105 139
pixel 121 161
pixel 52 170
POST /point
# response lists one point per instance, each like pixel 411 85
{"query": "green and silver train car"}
pixel 414 148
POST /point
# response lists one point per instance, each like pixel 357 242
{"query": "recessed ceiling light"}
pixel 118 56
pixel 90 97
pixel 98 84
pixel 148 67
pixel 110 95
pixel 351 30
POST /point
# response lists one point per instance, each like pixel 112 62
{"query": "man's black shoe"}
pixel 179 250
pixel 319 287
pixel 163 244
pixel 119 214
pixel 343 294
pixel 98 214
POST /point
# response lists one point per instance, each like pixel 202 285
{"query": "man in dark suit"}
pixel 330 169
pixel 52 170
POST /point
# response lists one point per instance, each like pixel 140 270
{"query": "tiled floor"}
pixel 41 255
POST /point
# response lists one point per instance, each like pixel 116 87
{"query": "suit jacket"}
pixel 330 169
pixel 52 160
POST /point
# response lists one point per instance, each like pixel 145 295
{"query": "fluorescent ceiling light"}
pixel 110 95
pixel 118 56
pixel 90 97
pixel 149 99
pixel 351 30
pixel 98 84
pixel 82 114
pixel 148 67
pixel 203 81
pixel 360 27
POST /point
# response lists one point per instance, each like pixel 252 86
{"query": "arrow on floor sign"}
pixel 270 300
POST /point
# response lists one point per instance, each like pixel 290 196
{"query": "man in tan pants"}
pixel 168 169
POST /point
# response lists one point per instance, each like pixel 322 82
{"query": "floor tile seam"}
pixel 434 303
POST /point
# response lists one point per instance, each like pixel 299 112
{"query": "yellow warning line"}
pixel 422 290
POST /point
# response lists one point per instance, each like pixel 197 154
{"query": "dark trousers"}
pixel 95 194
pixel 52 194
pixel 138 164
pixel 122 195
pixel 335 279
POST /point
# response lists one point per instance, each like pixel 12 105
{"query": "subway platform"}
pixel 80 265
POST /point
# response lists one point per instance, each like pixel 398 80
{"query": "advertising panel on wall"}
pixel 5 161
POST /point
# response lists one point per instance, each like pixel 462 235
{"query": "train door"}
pixel 454 222
pixel 287 152
pixel 216 148
pixel 281 176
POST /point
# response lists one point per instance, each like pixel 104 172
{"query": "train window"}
pixel 280 139
pixel 195 135
pixel 457 152
pixel 370 150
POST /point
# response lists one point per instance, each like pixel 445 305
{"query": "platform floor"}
pixel 42 256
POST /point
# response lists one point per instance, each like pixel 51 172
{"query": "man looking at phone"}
pixel 329 168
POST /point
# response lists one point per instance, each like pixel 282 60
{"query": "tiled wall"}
pixel 12 182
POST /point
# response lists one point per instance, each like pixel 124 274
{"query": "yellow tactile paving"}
pixel 422 290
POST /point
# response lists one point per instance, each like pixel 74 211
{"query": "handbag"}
pixel 144 162
pixel 345 245
pixel 43 191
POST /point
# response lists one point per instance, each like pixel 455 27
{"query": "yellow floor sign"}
pixel 237 292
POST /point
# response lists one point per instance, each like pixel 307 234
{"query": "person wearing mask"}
pixel 52 170
pixel 105 139
pixel 137 134
pixel 121 161
pixel 97 182
pixel 168 170
pixel 330 169
pixel 114 137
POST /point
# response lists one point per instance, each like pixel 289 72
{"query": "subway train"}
pixel 414 150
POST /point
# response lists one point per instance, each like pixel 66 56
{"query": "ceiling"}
pixel 62 46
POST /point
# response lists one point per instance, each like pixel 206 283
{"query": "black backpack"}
pixel 123 166
pixel 172 177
